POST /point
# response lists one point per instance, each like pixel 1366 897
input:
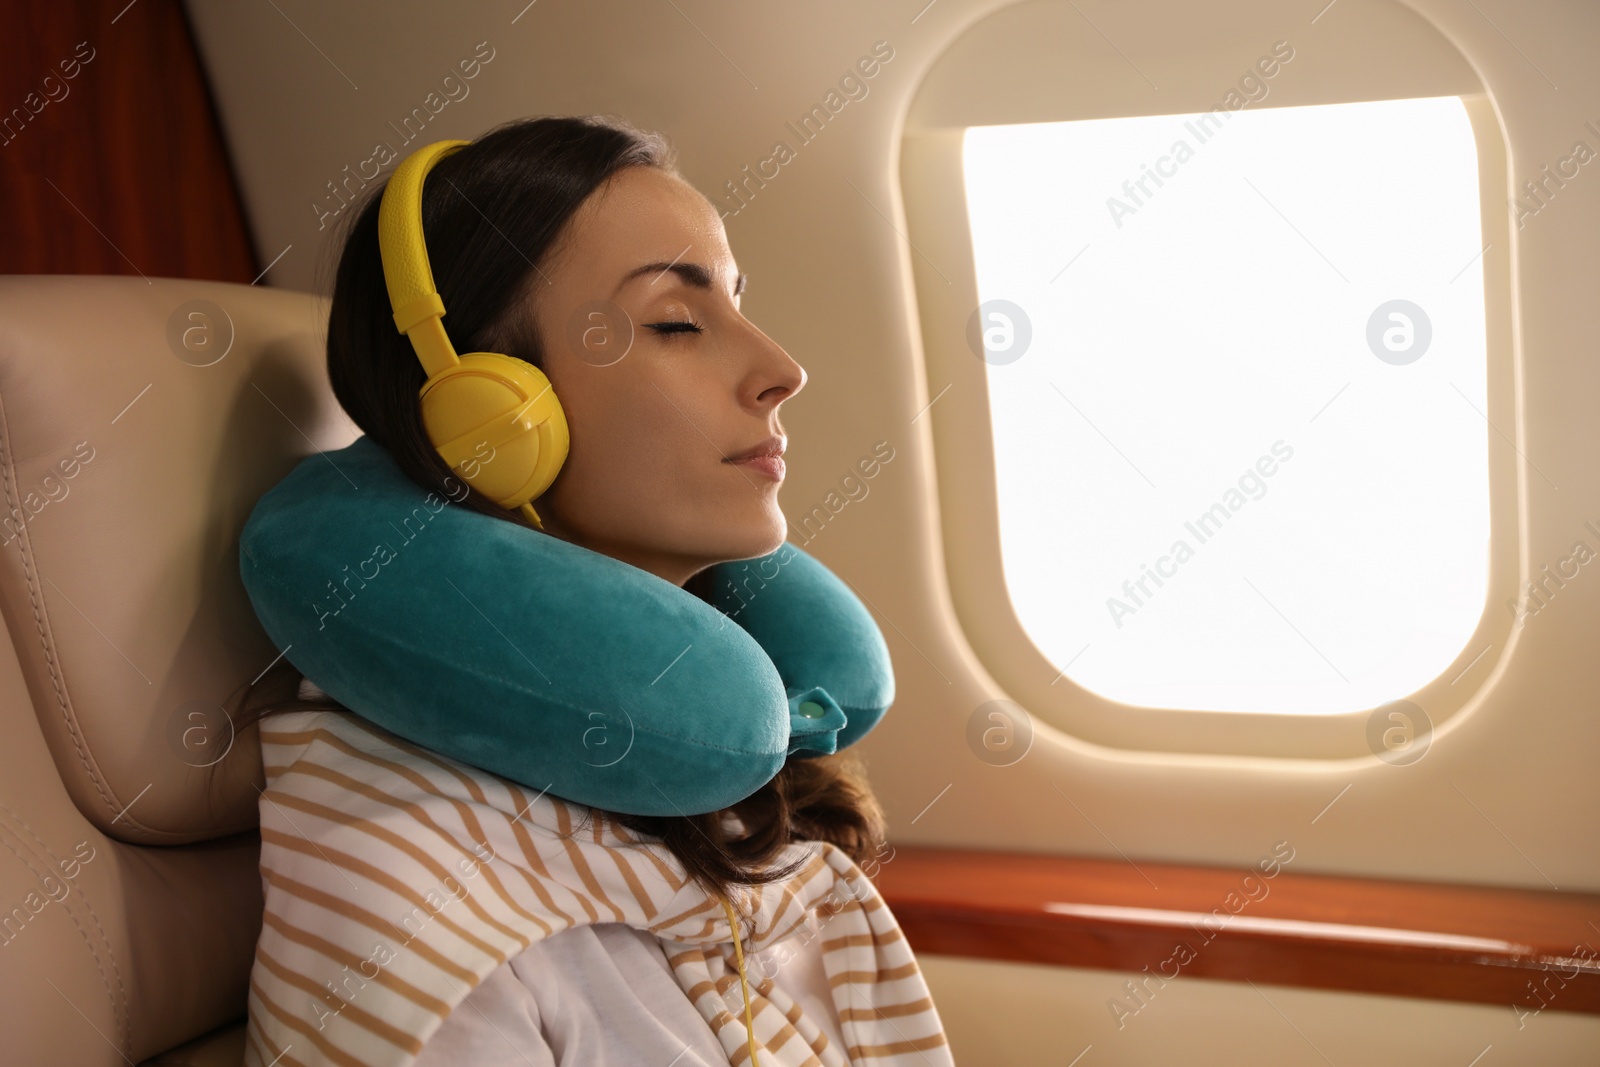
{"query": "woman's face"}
pixel 654 419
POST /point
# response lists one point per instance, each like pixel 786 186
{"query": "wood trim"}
pixel 1525 949
pixel 111 154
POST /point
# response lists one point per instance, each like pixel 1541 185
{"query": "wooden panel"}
pixel 1525 949
pixel 111 160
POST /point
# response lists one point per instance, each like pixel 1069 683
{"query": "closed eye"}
pixel 686 326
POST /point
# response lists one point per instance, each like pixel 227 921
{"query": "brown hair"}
pixel 492 212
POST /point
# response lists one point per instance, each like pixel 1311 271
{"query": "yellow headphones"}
pixel 481 398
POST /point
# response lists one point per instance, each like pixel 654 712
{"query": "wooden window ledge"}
pixel 1528 949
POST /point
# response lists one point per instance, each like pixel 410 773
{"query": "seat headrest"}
pixel 140 421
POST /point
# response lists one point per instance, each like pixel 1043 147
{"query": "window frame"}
pixel 956 410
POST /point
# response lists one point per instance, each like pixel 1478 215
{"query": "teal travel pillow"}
pixel 549 664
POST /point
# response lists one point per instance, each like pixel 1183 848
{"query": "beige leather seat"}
pixel 139 422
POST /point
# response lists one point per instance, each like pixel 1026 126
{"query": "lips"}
pixel 771 446
pixel 766 457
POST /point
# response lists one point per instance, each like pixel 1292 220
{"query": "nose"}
pixel 774 375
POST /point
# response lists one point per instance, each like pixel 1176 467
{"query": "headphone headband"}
pixel 412 293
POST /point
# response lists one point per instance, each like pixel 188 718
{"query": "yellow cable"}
pixel 738 950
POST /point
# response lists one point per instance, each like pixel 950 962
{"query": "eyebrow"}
pixel 690 273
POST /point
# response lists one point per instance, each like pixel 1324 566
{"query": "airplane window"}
pixel 1237 382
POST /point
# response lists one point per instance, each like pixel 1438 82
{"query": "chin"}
pixel 755 536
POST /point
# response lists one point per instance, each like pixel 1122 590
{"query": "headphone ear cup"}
pixel 497 422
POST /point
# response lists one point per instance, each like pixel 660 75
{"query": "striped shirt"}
pixel 398 881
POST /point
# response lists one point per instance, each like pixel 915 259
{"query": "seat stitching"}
pixel 100 968
pixel 8 475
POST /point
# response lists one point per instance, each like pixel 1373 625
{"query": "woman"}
pixel 574 244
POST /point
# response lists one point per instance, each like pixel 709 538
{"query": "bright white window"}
pixel 1238 406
